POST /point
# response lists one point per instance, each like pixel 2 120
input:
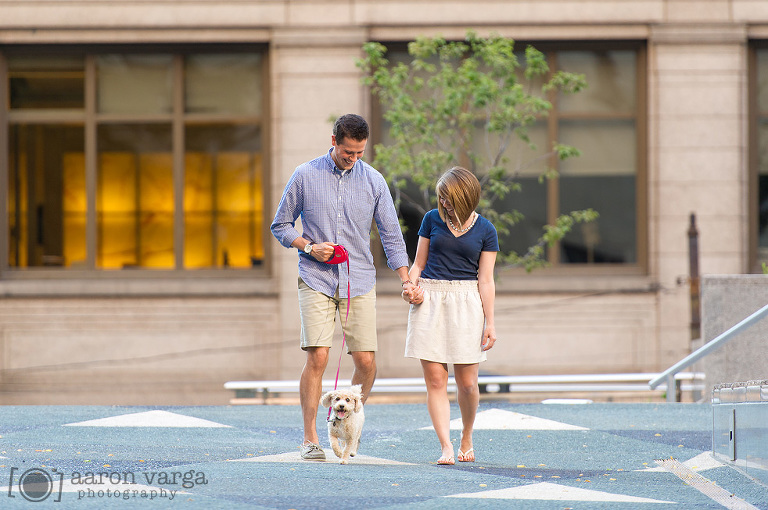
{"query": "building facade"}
pixel 144 147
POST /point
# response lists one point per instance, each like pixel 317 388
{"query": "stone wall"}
pixel 181 351
pixel 133 351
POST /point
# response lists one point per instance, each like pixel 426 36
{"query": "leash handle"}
pixel 343 336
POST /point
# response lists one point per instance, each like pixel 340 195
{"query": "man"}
pixel 338 196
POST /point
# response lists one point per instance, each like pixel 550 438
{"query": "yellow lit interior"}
pixel 75 205
pixel 223 209
pixel 18 203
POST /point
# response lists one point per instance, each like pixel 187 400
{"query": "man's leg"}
pixel 365 371
pixel 317 324
pixel 361 339
pixel 311 388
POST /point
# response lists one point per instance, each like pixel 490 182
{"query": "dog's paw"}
pixel 343 461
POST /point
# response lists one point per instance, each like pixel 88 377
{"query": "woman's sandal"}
pixel 468 456
pixel 446 461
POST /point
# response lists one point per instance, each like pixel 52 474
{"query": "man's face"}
pixel 346 153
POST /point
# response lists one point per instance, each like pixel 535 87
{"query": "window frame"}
pixel 754 263
pixel 89 119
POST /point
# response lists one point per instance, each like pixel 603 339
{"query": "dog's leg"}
pixel 335 444
pixel 354 445
pixel 355 440
pixel 347 451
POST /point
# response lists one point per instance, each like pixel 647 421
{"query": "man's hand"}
pixel 322 252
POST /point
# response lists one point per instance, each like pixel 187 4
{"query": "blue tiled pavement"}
pixel 528 456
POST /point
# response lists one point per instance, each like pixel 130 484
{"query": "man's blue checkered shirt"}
pixel 339 208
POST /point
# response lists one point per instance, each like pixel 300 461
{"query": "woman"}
pixel 451 317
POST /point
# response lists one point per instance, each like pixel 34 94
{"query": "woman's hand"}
pixel 489 336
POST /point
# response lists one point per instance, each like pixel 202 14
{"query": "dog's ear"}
pixel 325 400
pixel 357 391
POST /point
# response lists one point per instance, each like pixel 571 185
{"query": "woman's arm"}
pixel 487 288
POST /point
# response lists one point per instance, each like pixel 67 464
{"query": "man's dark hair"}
pixel 350 126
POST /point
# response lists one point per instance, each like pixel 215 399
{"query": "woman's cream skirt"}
pixel 448 326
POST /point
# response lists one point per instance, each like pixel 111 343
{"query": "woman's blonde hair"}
pixel 462 189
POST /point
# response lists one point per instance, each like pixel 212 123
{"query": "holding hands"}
pixel 412 293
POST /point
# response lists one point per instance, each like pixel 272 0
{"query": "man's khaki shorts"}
pixel 318 319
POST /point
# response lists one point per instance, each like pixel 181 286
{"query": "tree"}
pixel 468 103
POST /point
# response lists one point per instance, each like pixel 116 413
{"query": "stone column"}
pixel 313 79
pixel 697 163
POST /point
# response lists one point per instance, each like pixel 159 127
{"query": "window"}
pixel 601 121
pixel 606 123
pixel 135 160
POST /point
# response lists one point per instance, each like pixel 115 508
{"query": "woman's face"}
pixel 447 205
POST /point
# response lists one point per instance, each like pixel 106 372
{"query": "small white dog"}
pixel 345 423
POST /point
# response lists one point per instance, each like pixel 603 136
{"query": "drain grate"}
pixel 705 486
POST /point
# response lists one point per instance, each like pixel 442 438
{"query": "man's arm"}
pixel 322 252
pixel 402 272
pixel 284 224
pixel 288 210
pixel 385 215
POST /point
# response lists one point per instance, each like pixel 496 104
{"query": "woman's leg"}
pixel 436 379
pixel 468 395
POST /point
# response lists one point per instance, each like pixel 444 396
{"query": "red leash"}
pixel 340 255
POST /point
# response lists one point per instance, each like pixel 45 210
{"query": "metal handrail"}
pixel 716 343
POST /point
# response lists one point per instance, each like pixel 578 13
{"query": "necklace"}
pixel 474 219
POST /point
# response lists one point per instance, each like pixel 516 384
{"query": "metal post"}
pixel 695 289
pixel 693 264
pixel 671 389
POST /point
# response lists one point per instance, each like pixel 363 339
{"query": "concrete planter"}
pixel 739 409
pixel 725 301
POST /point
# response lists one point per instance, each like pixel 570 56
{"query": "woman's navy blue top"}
pixel 451 257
